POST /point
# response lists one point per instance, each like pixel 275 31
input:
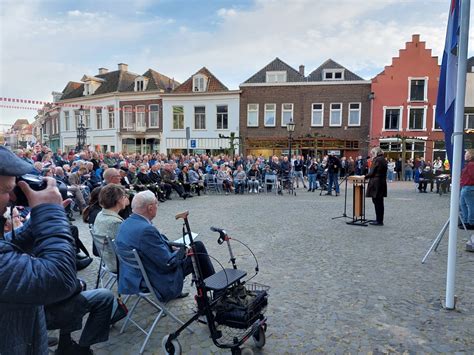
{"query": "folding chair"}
pixel 210 183
pixel 132 259
pixel 271 180
pixel 105 276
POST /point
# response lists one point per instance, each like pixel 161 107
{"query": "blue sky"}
pixel 45 44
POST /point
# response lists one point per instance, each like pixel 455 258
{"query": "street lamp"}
pixel 81 131
pixel 290 127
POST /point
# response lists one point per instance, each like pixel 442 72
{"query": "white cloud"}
pixel 41 50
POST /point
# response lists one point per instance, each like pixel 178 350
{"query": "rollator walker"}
pixel 233 308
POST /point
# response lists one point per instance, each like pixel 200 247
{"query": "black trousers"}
pixel 207 269
pixel 379 208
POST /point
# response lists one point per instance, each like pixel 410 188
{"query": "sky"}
pixel 45 44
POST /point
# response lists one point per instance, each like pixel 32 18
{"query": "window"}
pixel 140 85
pixel 335 118
pixel 98 116
pixel 154 115
pixel 270 114
pixel 111 117
pixel 222 117
pixel 87 118
pixel 317 115
pixel 199 83
pixel 87 89
pixel 276 77
pixel 67 124
pixel 470 121
pixel 199 117
pixel 416 117
pixel 252 115
pixel 333 74
pixel 178 117
pixel 140 116
pixel 127 117
pixel 392 118
pixel 436 126
pixel 418 89
pixel 286 114
pixel 354 114
pixel 77 116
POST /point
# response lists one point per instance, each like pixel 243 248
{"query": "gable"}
pixel 277 65
pixel 330 66
pixel 212 83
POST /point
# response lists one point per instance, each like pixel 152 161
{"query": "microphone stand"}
pixel 344 214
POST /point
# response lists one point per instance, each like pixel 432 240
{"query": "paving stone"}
pixel 335 288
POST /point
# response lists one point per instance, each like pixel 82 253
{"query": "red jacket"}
pixel 467 174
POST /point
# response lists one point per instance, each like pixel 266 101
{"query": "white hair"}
pixel 376 151
pixel 142 199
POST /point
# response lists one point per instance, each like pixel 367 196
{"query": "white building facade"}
pixel 208 108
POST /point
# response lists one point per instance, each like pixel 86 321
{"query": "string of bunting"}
pixel 125 108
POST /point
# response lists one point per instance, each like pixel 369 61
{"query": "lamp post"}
pixel 81 131
pixel 290 127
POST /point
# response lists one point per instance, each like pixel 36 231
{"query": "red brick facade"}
pixel 350 140
pixel 392 89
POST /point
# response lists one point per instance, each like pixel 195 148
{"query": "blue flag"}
pixel 448 79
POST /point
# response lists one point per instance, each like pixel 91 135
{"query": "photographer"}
pixel 37 261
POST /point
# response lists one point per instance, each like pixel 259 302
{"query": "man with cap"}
pixel 37 261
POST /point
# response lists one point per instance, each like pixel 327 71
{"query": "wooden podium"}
pixel 358 201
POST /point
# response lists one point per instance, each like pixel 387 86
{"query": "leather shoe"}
pixel 183 295
pixel 376 223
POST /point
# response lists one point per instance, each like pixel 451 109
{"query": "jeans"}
pixel 408 175
pixel 299 175
pixel 333 180
pixel 312 182
pixel 467 204
pixel 100 304
pixel 239 186
pixel 390 175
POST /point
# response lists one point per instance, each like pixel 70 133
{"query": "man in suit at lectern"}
pixel 377 186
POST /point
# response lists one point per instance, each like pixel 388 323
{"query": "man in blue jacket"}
pixel 166 266
pixel 38 263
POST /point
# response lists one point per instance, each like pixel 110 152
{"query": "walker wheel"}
pixel 170 347
pixel 246 351
pixel 259 337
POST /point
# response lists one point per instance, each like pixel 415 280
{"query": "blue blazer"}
pixel 163 265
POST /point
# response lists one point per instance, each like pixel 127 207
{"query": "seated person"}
pixel 253 178
pixel 420 179
pixel 224 179
pixel 112 198
pixel 196 178
pixel 166 266
pixel 239 180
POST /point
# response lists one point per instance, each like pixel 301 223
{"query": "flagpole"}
pixel 457 151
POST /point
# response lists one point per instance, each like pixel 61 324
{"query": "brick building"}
pixel 404 104
pixel 330 107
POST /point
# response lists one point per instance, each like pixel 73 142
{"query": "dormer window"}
pixel 333 74
pixel 276 77
pixel 91 84
pixel 199 83
pixel 141 83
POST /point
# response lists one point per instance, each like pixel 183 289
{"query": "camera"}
pixel 36 183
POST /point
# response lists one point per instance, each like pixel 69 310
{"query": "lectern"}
pixel 358 201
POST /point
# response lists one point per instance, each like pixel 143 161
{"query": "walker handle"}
pixel 222 234
pixel 183 215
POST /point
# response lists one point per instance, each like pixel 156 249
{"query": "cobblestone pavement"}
pixel 335 288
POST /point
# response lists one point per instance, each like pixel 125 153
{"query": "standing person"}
pixel 45 275
pixel 377 186
pixel 391 170
pixel 408 170
pixel 398 169
pixel 467 190
pixel 312 172
pixel 298 173
pixel 334 164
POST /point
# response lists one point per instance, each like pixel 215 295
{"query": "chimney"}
pixel 123 67
pixel 302 69
pixel 415 38
pixel 103 70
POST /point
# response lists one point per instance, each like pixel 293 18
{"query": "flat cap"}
pixel 11 165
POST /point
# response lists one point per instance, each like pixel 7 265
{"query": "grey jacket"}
pixel 107 223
